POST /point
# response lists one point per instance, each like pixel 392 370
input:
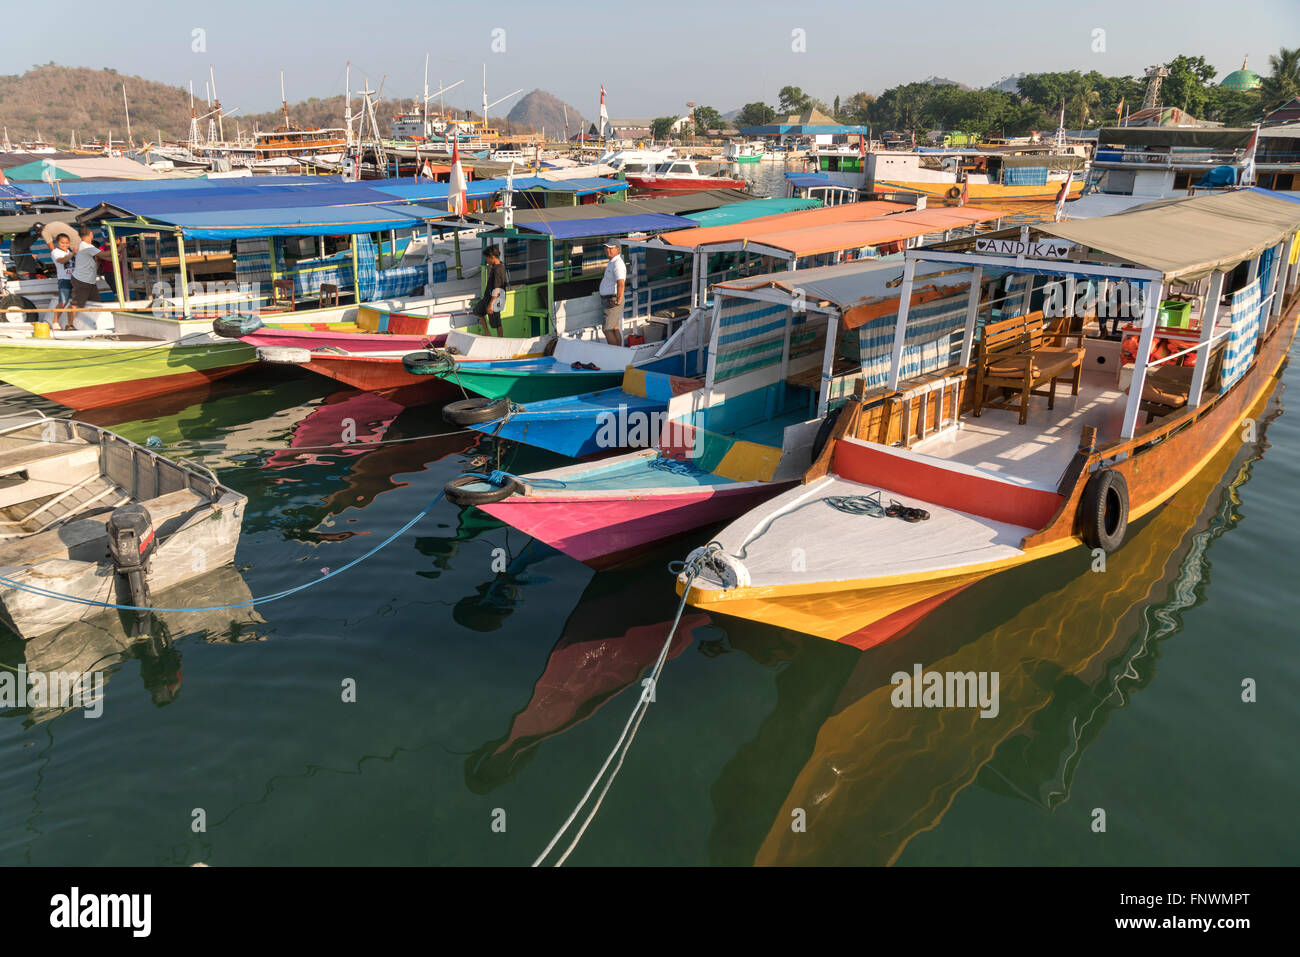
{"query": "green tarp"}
pixel 741 212
pixel 1217 138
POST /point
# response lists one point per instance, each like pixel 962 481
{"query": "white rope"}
pixel 624 742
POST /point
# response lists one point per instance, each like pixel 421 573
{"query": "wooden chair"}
pixel 282 297
pixel 329 294
pixel 1014 355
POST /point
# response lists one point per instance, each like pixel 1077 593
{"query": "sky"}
pixel 652 57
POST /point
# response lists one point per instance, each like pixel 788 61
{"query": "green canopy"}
pixel 754 208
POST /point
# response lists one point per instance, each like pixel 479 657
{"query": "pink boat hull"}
pixel 602 532
pixel 356 342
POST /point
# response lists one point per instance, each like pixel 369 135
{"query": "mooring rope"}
pixel 621 747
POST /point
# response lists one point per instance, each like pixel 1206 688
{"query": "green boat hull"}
pixel 523 387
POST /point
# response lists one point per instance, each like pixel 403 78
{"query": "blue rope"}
pixel 276 596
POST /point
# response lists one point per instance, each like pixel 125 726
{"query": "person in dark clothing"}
pixel 492 301
pixel 20 250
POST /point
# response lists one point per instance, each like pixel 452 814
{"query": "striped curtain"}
pixel 932 340
pixel 751 335
pixel 1240 350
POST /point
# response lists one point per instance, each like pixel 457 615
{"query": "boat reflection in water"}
pixel 102 643
pixel 611 639
pixel 879 774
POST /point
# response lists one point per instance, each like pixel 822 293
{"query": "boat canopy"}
pixel 1187 238
pixel 830 235
pixel 297 221
pixel 1191 136
pixel 752 209
pixel 808 180
pixel 782 222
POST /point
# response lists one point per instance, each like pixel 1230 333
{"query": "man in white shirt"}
pixel 85 269
pixel 611 294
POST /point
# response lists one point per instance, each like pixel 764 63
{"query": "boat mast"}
pixel 424 107
pixel 284 103
pixel 221 129
pixel 347 105
pixel 127 109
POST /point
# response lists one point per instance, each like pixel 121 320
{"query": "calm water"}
pixel 481 689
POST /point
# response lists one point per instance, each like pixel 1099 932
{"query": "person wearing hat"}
pixel 20 250
pixel 493 300
pixel 612 285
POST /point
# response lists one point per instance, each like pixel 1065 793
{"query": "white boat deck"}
pixel 1034 454
pixel 798 538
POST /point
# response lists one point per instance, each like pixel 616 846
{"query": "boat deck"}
pixel 1034 454
pixel 622 474
pixel 799 538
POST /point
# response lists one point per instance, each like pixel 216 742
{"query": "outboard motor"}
pixel 131 544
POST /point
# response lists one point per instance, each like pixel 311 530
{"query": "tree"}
pixel 755 114
pixel 707 118
pixel 662 127
pixel 1185 86
pixel 835 109
pixel 1233 107
pixel 791 99
pixel 856 109
pixel 1284 83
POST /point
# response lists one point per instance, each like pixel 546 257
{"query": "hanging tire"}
pixel 824 432
pixel 428 362
pixel 16 308
pixel 475 411
pixel 477 490
pixel 235 327
pixel 1103 513
pixel 954 193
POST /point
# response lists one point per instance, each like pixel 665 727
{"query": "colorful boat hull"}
pixel 94 374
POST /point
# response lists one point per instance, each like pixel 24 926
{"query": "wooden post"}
pixel 713 344
pixel 1209 317
pixel 356 270
pixel 185 282
pixel 900 327
pixel 1143 354
pixel 117 268
pixel 828 363
pixel 455 238
pixel 972 311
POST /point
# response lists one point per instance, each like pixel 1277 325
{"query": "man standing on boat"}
pixel 493 299
pixel 85 269
pixel 611 293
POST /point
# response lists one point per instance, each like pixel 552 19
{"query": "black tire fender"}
pixel 234 327
pixel 475 411
pixel 954 193
pixel 15 301
pixel 1103 511
pixel 459 492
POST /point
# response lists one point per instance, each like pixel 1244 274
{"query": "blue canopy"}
pixel 804 180
pixel 297 221
pixel 198 200
pixel 1274 194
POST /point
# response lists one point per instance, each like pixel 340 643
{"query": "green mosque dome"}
pixel 1242 79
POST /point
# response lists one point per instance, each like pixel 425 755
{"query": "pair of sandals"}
pixel 907 513
pixel 584 365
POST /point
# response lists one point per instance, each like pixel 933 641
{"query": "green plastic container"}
pixel 1175 314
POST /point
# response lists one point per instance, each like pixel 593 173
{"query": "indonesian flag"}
pixel 962 200
pixel 1248 168
pixel 427 171
pixel 1062 194
pixel 604 116
pixel 456 182
pixel 1119 110
pixel 862 145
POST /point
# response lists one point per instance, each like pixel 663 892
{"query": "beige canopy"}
pixel 1188 238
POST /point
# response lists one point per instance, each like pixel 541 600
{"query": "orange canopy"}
pixel 781 222
pixel 834 228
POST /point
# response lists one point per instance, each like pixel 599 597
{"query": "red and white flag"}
pixel 862 145
pixel 427 171
pixel 456 182
pixel 1248 167
pixel 1061 196
pixel 964 194
pixel 604 116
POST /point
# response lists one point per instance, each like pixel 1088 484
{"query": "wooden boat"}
pixel 723 445
pixel 1003 489
pixel 876 778
pixel 85 513
pixel 675 177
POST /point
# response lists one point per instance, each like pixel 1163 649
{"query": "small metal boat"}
pixel 87 515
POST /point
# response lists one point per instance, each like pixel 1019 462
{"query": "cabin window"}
pixel 681 168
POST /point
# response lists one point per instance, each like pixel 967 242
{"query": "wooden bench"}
pixel 1015 355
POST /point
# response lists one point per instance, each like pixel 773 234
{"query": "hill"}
pixel 540 110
